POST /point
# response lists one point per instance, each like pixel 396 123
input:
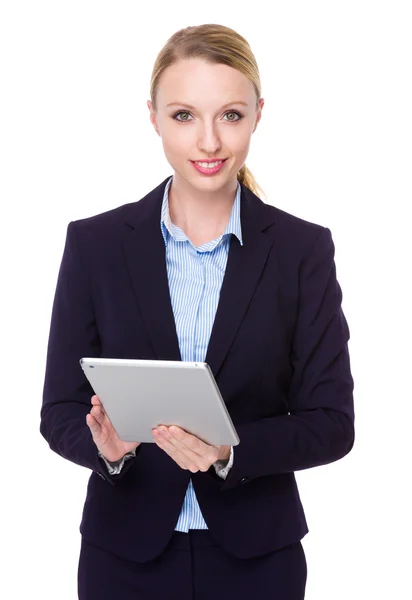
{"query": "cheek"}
pixel 239 149
pixel 171 153
pixel 242 141
pixel 176 146
pixel 237 139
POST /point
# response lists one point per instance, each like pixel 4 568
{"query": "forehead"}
pixel 199 83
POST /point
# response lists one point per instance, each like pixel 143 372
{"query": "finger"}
pixel 94 426
pixel 169 440
pixel 183 454
pixel 99 404
pixel 189 440
pixel 177 456
pixel 99 415
pixel 202 462
pixel 168 447
pixel 96 401
pixel 191 445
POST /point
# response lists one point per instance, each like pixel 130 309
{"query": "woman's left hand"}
pixel 187 450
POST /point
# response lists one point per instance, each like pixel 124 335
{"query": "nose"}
pixel 208 141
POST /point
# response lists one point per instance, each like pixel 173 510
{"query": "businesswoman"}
pixel 201 269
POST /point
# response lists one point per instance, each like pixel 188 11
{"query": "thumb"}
pixel 94 426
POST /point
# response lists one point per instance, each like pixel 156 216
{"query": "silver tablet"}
pixel 139 395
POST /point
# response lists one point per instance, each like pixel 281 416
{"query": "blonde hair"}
pixel 215 44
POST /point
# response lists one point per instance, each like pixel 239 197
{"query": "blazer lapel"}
pixel 243 270
pixel 145 254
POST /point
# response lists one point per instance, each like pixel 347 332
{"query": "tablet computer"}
pixel 138 395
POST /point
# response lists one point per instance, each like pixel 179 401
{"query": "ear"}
pixel 259 113
pixel 153 119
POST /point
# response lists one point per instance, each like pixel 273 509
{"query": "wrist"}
pixel 112 461
pixel 115 461
pixel 224 454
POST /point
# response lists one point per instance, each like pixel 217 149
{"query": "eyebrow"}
pixel 194 108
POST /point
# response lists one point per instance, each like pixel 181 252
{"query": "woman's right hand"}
pixel 104 435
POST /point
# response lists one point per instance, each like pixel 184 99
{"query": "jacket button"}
pixel 243 480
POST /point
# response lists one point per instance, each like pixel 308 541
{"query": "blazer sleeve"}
pixel 319 427
pixel 67 392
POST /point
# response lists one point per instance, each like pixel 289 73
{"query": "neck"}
pixel 200 214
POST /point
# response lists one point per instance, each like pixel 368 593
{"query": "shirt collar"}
pixel 169 228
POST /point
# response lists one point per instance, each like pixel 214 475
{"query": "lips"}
pixel 209 160
pixel 209 170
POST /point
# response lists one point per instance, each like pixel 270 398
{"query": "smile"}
pixel 208 168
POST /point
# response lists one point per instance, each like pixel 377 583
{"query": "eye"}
pixel 181 112
pixel 232 112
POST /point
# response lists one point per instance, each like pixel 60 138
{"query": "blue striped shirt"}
pixel 195 276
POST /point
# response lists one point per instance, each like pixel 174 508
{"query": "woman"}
pixel 201 269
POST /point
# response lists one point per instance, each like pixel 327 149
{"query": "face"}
pixel 205 111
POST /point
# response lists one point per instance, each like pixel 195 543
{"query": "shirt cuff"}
pixel 114 468
pixel 221 469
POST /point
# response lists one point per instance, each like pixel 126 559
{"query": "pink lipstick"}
pixel 209 170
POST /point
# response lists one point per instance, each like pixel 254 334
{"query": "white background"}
pixel 333 147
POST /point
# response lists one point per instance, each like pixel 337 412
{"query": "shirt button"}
pixel 244 479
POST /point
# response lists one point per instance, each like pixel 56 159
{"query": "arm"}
pixel 67 393
pixel 320 426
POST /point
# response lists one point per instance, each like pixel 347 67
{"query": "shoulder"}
pixel 291 221
pixel 111 224
pixel 293 235
pixel 108 219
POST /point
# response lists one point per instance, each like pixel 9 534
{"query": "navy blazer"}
pixel 278 350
